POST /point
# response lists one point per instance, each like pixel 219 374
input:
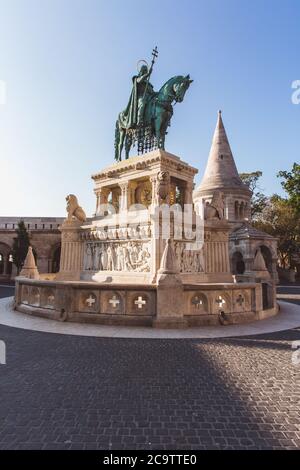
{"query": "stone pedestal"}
pixel 170 300
pixel 156 263
pixel 71 251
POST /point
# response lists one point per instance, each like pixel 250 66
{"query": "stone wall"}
pixel 45 239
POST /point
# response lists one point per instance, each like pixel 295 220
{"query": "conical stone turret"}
pixel 29 267
pixel 221 171
pixel 221 175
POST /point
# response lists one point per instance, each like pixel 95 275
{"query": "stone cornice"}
pixel 144 162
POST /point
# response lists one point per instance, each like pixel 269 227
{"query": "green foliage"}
pixel 259 200
pixel 291 184
pixel 251 179
pixel 279 218
pixel 20 245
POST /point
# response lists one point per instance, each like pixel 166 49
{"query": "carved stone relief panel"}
pixel 118 256
pixel 189 261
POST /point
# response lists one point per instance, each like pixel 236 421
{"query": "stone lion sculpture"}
pixel 215 208
pixel 162 188
pixel 74 210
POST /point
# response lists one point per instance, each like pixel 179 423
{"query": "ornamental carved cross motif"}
pixel 140 302
pixel 90 301
pixel 51 299
pixel 220 301
pixel 114 301
pixel 240 300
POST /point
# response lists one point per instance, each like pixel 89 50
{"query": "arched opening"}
pixel 56 259
pixel 238 264
pixel 1 263
pixel 266 252
pixel 5 257
pixel 236 210
pixel 241 211
pixel 246 215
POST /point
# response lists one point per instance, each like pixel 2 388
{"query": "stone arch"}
pixel 241 301
pixel 221 302
pixel 5 263
pixel 236 210
pixel 55 258
pixel 241 211
pixel 237 263
pixel 25 294
pixel 198 303
pixel 2 261
pixel 35 296
pixel 48 298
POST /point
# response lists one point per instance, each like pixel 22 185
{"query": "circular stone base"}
pixel 288 318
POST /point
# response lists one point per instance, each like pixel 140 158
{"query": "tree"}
pixel 20 245
pixel 259 200
pixel 291 184
pixel 279 219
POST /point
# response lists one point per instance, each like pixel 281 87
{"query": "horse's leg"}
pixel 164 126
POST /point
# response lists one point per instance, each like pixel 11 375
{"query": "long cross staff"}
pixel 154 55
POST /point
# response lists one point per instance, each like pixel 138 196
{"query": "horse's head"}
pixel 180 86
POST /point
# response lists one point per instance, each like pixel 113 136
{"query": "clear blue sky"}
pixel 68 66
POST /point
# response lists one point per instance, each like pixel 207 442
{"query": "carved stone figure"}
pixel 74 210
pixel 88 257
pixel 126 259
pixel 110 258
pixel 104 259
pixel 189 261
pixel 163 187
pixel 215 208
pixel 107 256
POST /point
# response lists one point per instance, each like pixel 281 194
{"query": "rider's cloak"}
pixel 130 114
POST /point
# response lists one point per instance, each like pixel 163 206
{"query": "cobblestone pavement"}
pixel 67 392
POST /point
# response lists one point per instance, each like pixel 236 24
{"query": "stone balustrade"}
pixel 204 304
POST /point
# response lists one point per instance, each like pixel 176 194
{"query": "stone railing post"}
pixel 71 258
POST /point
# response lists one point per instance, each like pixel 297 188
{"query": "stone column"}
pixel 71 258
pixel 153 180
pixel 124 195
pixel 5 263
pixel 188 193
pixel 248 260
pixel 101 196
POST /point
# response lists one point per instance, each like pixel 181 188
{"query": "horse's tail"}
pixel 117 139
